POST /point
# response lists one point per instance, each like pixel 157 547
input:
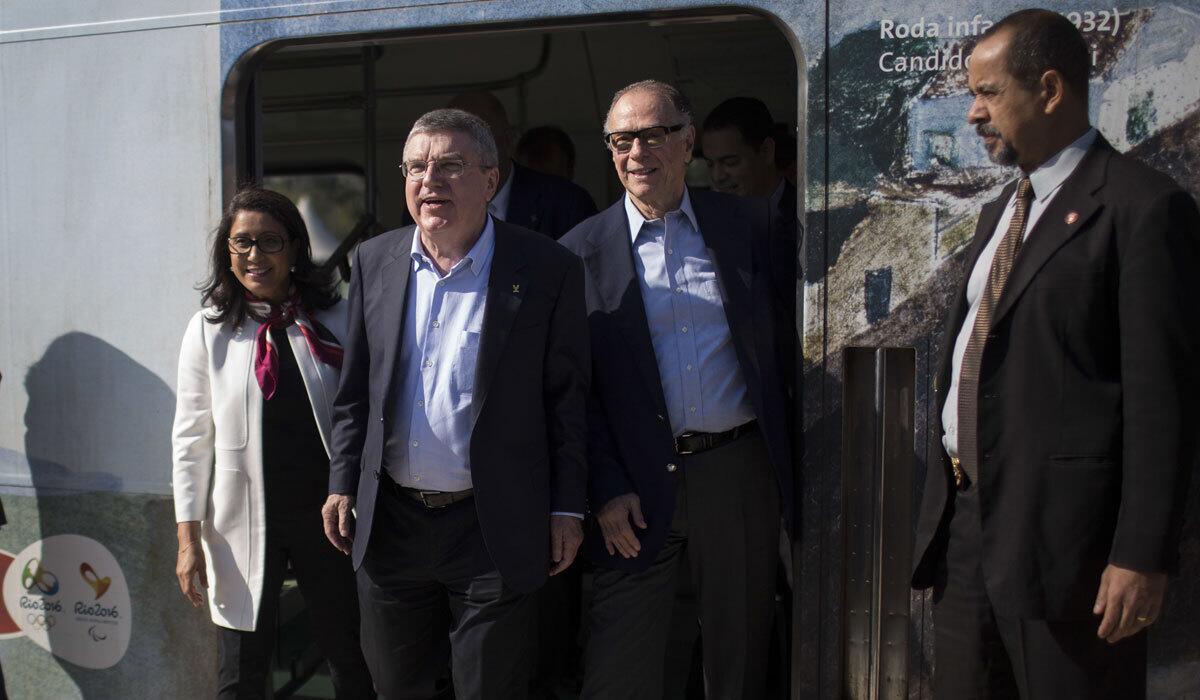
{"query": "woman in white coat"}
pixel 258 371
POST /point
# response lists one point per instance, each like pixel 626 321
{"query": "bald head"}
pixel 488 107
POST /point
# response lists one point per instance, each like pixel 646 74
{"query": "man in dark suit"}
pixel 689 447
pixel 1066 392
pixel 459 427
pixel 738 144
pixel 544 203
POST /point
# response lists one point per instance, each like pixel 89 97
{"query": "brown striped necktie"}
pixel 968 377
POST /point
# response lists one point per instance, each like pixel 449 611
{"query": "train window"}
pixel 331 202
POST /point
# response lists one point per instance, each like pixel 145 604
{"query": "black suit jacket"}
pixel 630 442
pixel 528 444
pixel 1087 393
pixel 547 204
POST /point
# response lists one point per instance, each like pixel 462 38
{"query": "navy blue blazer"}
pixel 630 442
pixel 547 204
pixel 528 444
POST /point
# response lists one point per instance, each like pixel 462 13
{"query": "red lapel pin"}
pixel 1072 217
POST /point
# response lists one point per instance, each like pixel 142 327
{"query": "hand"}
pixel 190 567
pixel 339 521
pixel 566 534
pixel 1129 600
pixel 614 518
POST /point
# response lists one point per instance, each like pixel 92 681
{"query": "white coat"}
pixel 218 462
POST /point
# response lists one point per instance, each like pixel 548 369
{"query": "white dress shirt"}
pixel 1046 181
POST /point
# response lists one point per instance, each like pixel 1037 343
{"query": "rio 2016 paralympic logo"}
pixel 35 576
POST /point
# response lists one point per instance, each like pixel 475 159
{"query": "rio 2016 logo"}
pixel 34 576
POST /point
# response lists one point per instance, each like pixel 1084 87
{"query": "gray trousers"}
pixel 727 520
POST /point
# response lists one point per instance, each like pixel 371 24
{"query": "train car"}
pixel 126 126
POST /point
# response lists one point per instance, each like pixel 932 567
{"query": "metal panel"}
pixel 877 478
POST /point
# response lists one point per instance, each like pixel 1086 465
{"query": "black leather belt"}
pixel 436 499
pixel 692 443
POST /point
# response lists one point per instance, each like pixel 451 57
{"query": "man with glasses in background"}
pixel 688 446
pixel 459 426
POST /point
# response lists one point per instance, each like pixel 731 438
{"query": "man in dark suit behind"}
pixel 459 427
pixel 539 202
pixel 689 447
pixel 1066 392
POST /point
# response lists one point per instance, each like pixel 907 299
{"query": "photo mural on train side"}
pixel 904 180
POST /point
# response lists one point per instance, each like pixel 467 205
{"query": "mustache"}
pixel 987 130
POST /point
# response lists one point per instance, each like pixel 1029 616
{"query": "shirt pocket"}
pixel 462 373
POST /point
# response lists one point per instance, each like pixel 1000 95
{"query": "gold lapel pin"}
pixel 1072 217
pixel 516 289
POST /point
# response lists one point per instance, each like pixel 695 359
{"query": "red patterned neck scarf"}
pixel 266 357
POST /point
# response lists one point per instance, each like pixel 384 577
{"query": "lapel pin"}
pixel 1072 217
pixel 516 289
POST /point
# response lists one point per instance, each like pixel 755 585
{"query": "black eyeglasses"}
pixel 449 167
pixel 269 243
pixel 651 136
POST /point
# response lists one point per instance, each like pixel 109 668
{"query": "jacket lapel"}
pixel 610 263
pixel 506 290
pixel 393 290
pixel 729 243
pixel 1052 230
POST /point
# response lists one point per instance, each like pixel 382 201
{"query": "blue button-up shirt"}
pixel 697 363
pixel 428 444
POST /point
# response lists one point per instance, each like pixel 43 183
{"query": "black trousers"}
pixel 980 654
pixel 430 595
pixel 727 521
pixel 327 583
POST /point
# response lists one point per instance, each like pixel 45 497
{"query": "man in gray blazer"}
pixel 459 427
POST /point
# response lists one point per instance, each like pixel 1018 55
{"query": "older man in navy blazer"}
pixel 459 427
pixel 689 447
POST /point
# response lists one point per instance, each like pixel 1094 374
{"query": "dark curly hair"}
pixel 222 290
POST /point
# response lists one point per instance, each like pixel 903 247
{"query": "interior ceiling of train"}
pixel 312 96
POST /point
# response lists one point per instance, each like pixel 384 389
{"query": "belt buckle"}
pixel 960 477
pixel 679 450
pixel 425 499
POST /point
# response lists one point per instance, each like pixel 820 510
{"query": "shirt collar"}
pixel 1049 176
pixel 479 257
pixel 636 220
pixel 499 204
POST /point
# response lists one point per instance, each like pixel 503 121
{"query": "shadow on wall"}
pixel 97 440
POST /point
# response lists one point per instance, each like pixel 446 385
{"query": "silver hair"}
pixel 460 122
pixel 664 91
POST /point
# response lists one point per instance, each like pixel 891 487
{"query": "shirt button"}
pixel 689 368
pixel 679 290
pixel 692 409
pixel 670 251
pixel 684 329
pixel 671 467
pixel 428 363
pixel 420 402
pixel 414 443
pixel 437 324
pixel 441 283
pixel 417 478
pixel 660 417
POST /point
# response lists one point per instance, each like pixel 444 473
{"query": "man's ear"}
pixel 1053 91
pixel 767 149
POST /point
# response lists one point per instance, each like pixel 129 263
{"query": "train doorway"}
pixel 324 120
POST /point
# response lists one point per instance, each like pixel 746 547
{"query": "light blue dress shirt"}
pixel 701 378
pixel 428 445
pixel 1046 181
